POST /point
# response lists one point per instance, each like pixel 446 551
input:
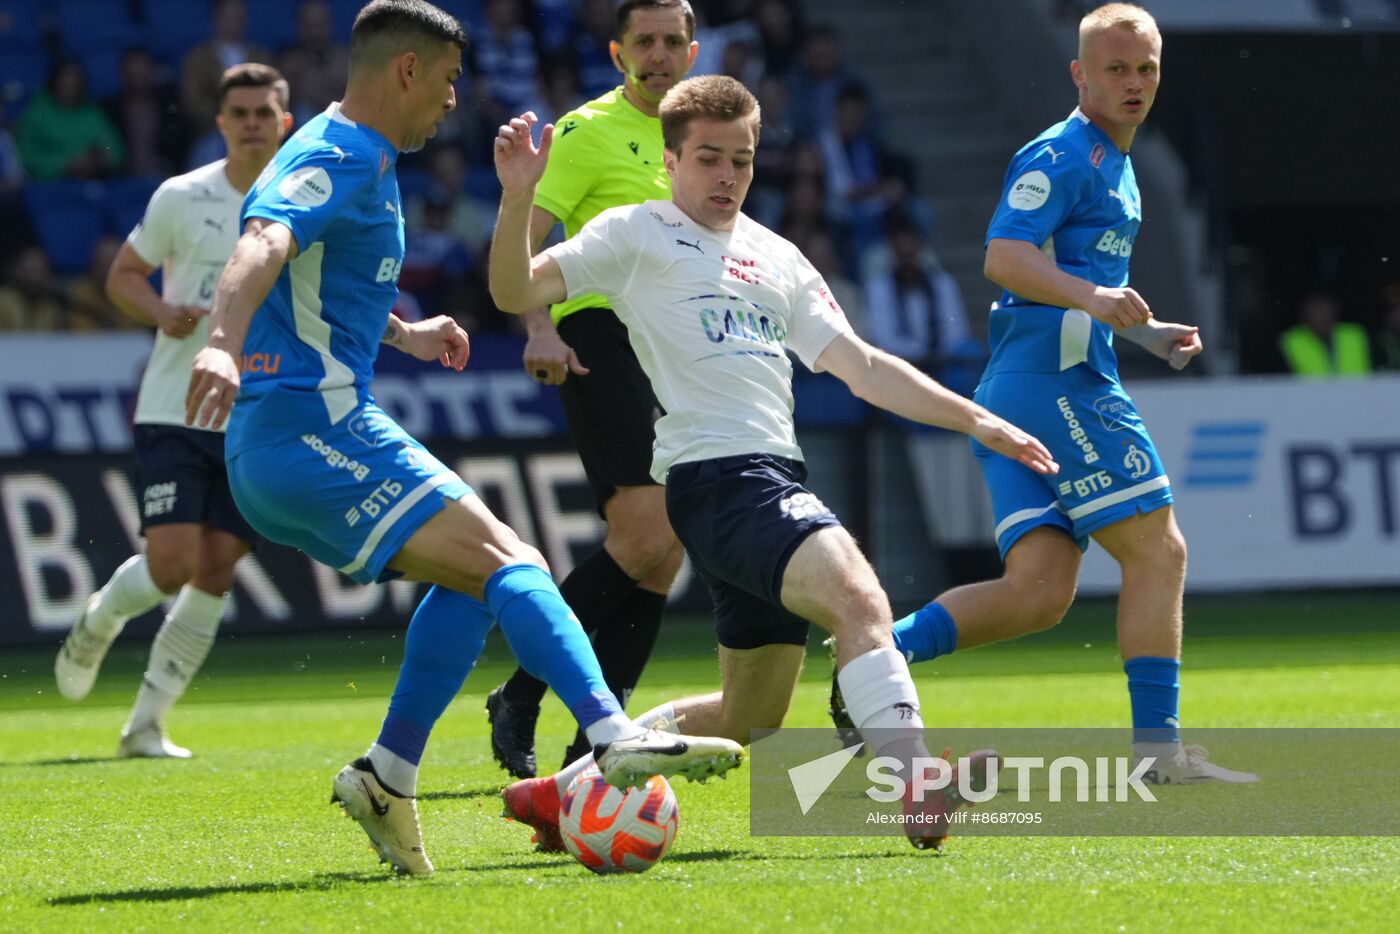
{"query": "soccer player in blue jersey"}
pixel 1058 245
pixel 313 462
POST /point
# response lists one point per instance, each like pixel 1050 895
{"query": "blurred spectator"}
pixel 716 30
pixel 315 65
pixel 1388 337
pixel 597 75
pixel 554 23
pixel 820 251
pixel 437 266
pixel 15 228
pixel 560 87
pixel 1321 345
pixel 62 133
pixel 864 178
pixel 742 61
pixel 469 220
pixel 28 298
pixel 779 34
pixel 147 115
pixel 505 62
pixel 205 64
pixel 87 294
pixel 11 166
pixel 818 79
pixel 916 309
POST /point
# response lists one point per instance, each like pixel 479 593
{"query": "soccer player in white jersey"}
pixel 315 463
pixel 194 533
pixel 712 302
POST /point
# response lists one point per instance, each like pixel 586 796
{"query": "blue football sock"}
pixel 443 642
pixel 1153 690
pixel 548 641
pixel 926 633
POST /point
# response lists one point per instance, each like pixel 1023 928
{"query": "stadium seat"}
pixel 103 69
pixel 69 217
pixel 23 70
pixel 272 23
pixel 126 202
pixel 89 26
pixel 20 25
pixel 412 182
pixel 173 27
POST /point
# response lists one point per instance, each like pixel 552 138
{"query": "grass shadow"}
pixel 68 760
pixel 465 794
pixel 320 882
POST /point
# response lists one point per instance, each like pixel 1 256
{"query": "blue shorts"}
pixel 349 495
pixel 183 479
pixel 1109 468
pixel 740 519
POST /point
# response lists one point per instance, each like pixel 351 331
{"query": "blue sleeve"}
pixel 1041 191
pixel 312 189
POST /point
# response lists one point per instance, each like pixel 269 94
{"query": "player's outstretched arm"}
pixel 440 338
pixel 128 286
pixel 894 385
pixel 547 358
pixel 1022 269
pixel 257 260
pixel 1175 343
pixel 518 284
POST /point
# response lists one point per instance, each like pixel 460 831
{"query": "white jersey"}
pixel 189 231
pixel 710 315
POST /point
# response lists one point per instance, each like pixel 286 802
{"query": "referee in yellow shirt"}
pixel 606 153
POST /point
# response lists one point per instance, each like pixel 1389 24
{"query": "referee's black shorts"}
pixel 612 411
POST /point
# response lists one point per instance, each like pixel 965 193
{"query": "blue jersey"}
pixel 310 349
pixel 1071 193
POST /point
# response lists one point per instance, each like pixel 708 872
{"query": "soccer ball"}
pixel 609 831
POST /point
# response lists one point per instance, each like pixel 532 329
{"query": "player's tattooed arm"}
pixel 394 333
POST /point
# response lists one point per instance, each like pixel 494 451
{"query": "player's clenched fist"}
pixel 213 387
pixel 1118 307
pixel 519 163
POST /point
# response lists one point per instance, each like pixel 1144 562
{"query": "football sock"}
pixel 129 593
pixel 661 718
pixel 594 590
pixel 179 649
pixel 880 697
pixel 1153 690
pixel 443 642
pixel 546 637
pixel 926 633
pixel 624 643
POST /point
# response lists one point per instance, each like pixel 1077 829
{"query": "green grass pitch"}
pixel 242 837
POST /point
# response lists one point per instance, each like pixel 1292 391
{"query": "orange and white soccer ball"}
pixel 609 831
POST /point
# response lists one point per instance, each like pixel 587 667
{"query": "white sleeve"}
pixel 817 318
pixel 601 258
pixel 155 235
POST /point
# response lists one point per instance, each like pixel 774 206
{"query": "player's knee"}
pixel 171 570
pixel 640 549
pixel 1044 602
pixel 739 720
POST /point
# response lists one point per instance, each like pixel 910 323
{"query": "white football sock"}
pixel 129 593
pixel 613 727
pixel 395 772
pixel 880 696
pixel 179 649
pixel 661 718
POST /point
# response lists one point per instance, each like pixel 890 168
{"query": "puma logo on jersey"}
pixel 1115 245
pixel 694 246
pixel 389 206
pixel 1053 154
pixel 215 224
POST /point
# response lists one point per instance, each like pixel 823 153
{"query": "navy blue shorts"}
pixel 182 477
pixel 740 519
